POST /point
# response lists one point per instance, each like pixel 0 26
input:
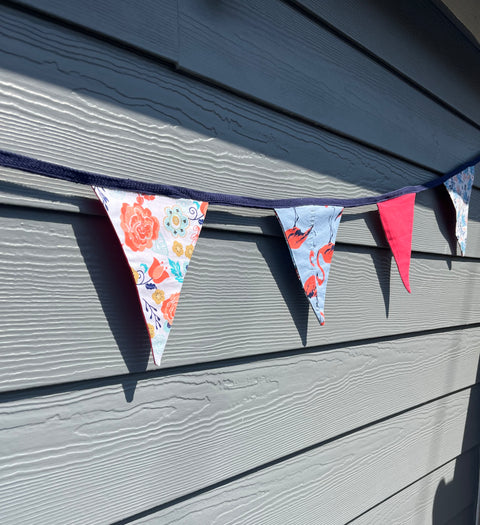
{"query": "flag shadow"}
pixel 268 236
pixel 116 291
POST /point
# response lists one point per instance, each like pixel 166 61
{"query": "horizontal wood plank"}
pixel 55 123
pixel 67 312
pixel 69 308
pixel 270 51
pixel 71 100
pixel 187 431
pixel 418 503
pixel 150 26
pixel 435 57
pixel 437 498
pixel 414 38
pixel 88 440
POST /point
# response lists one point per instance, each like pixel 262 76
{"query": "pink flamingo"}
pixel 295 237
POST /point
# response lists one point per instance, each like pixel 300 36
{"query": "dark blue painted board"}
pixel 270 51
pixel 414 38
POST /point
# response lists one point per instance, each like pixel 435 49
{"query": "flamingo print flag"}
pixel 158 235
pixel 459 188
pixel 310 232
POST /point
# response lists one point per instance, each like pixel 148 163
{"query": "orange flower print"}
pixel 149 197
pixel 203 208
pixel 140 227
pixel 169 307
pixel 189 251
pixel 177 248
pixel 158 296
pixel 157 271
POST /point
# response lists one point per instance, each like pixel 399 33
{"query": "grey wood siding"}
pixel 258 414
pixel 432 55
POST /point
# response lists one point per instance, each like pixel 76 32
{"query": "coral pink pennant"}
pixel 158 235
pixel 397 221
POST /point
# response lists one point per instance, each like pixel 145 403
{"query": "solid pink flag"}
pixel 397 221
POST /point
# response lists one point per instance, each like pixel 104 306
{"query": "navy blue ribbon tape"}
pixel 55 171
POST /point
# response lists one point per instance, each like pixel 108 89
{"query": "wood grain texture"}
pixel 414 38
pixel 69 307
pixel 270 153
pixel 271 52
pixel 418 504
pixel 295 387
pixel 90 447
pixel 437 498
pixel 336 482
pixel 68 99
pixel 149 25
pixel 102 109
pixel 430 54
pixel 236 411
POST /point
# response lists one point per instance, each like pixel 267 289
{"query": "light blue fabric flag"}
pixel 459 188
pixel 310 232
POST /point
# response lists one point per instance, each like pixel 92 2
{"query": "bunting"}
pixel 158 227
pixel 459 188
pixel 158 235
pixel 310 232
pixel 397 221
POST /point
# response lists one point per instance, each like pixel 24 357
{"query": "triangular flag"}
pixel 310 232
pixel 397 221
pixel 459 188
pixel 158 235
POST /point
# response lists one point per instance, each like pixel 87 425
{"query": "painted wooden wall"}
pixel 258 415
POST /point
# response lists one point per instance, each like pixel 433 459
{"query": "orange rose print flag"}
pixel 158 235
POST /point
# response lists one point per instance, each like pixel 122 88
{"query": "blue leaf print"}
pixel 150 286
pixel 160 245
pixel 176 270
pixel 103 197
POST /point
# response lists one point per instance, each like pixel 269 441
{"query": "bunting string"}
pixel 56 171
pixel 158 227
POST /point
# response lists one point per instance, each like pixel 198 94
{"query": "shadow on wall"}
pixel 115 288
pixel 453 499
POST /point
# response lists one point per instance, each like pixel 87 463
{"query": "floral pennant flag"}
pixel 397 221
pixel 459 188
pixel 310 232
pixel 158 235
